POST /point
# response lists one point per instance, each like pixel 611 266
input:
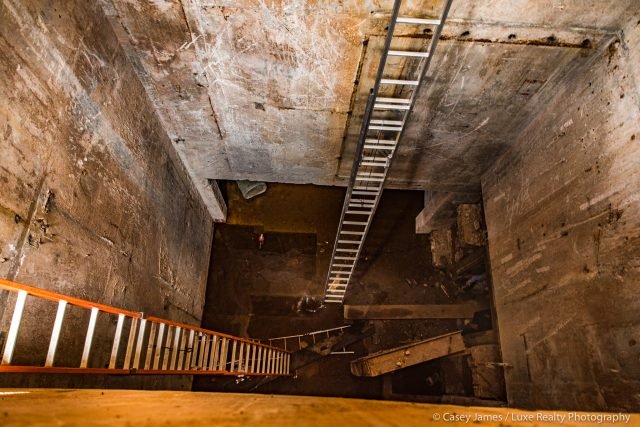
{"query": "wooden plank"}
pixel 425 311
pixel 408 355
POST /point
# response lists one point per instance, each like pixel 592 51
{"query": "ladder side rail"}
pixel 153 350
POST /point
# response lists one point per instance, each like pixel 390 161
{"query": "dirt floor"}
pixel 276 290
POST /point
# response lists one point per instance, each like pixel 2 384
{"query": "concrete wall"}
pixel 563 216
pixel 92 203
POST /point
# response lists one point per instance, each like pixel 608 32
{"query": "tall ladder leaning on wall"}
pixel 153 346
pixel 379 137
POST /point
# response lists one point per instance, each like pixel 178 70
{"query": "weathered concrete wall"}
pixel 91 203
pixel 275 90
pixel 563 216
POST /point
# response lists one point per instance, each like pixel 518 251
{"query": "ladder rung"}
pixel 346 250
pixel 354 233
pixel 400 82
pixel 378 147
pixel 339 278
pixel 55 334
pixel 345 257
pixel 93 317
pixel 355 222
pixel 390 107
pixel 378 158
pixel 391 128
pixel 408 53
pixel 342 265
pixel 372 174
pixel 417 21
pixel 364 178
pixel 365 187
pixel 365 193
pixel 380 141
pixel 386 122
pixel 350 242
pixel 374 164
pixel 359 212
pixel 394 100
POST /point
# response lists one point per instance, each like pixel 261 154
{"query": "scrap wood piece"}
pixel 408 355
pixel 424 311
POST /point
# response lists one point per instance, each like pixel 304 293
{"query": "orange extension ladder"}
pixel 154 345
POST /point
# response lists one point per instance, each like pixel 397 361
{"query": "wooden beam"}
pixel 425 311
pixel 412 354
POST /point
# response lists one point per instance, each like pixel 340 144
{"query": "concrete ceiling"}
pixel 274 90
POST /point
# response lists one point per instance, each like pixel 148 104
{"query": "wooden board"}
pixel 425 311
pixel 408 355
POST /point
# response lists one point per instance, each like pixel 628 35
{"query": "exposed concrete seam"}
pixel 15 265
pixel 192 42
pixel 352 103
pixel 197 190
pixel 206 76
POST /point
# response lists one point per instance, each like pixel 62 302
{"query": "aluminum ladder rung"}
pixel 389 128
pixel 380 141
pixel 417 21
pixel 391 107
pixel 394 100
pixel 386 122
pixel 369 178
pixel 379 147
pixel 342 265
pixel 375 164
pixel 408 53
pixel 355 222
pixel 400 82
pixel 365 193
pixel 355 233
pixel 346 250
pixel 358 212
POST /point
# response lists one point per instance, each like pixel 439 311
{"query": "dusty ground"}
pixel 255 292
